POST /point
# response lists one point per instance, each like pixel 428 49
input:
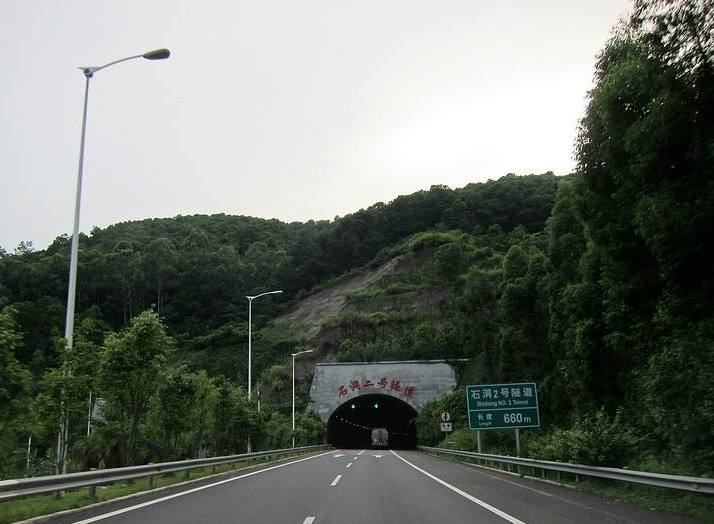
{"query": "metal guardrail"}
pixel 695 484
pixel 16 488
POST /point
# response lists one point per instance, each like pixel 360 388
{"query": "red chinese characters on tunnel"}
pixel 394 385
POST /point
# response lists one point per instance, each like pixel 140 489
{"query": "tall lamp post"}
pixel 159 54
pixel 250 348
pixel 250 319
pixel 295 355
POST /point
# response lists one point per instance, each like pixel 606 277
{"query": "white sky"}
pixel 281 109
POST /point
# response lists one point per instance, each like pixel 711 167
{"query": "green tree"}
pixel 643 301
pixel 523 314
pixel 133 363
pixel 15 397
pixel 160 265
pixel 181 415
pixel 309 429
pixel 235 419
pixel 125 265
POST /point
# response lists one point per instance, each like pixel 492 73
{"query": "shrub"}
pixel 595 439
pixel 463 439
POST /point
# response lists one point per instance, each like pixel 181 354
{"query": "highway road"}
pixel 367 486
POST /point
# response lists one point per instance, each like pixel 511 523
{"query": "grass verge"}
pixel 28 507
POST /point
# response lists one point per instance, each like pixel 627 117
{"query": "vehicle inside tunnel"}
pixel 352 423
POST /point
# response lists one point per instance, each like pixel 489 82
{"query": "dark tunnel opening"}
pixel 351 424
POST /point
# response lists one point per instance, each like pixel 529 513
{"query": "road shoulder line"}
pixel 193 490
pixel 545 493
pixel 47 517
pixel 492 509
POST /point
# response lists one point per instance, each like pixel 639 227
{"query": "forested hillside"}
pixel 598 286
pixel 194 273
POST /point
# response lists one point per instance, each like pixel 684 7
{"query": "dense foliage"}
pixel 616 305
pixel 178 376
pixel 197 270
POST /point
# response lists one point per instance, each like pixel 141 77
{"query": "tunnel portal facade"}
pixel 353 399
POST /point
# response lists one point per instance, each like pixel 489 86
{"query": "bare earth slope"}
pixel 328 302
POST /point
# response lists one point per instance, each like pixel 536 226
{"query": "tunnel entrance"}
pixel 351 424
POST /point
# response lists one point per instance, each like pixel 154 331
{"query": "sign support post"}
pixel 518 442
pixel 478 440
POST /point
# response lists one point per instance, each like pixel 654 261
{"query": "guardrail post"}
pixel 92 490
pixel 150 482
pixel 213 469
pixel 187 474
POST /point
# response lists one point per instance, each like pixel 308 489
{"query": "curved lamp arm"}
pixel 159 54
pixel 251 298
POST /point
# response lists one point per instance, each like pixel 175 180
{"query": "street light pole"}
pixel 295 355
pixel 250 319
pixel 159 54
pixel 250 348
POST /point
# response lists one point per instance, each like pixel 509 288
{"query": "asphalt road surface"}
pixel 368 486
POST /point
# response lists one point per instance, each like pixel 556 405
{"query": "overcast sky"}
pixel 281 109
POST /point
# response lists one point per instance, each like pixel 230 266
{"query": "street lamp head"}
pixel 159 54
pixel 251 297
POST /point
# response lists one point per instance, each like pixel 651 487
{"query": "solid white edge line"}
pixel 502 514
pixel 551 495
pixel 193 490
pixel 308 520
pixel 348 465
pixel 337 479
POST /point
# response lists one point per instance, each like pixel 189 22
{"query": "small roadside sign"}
pixel 445 416
pixel 446 427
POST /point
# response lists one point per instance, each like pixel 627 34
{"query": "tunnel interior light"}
pixel 353 406
pixel 376 405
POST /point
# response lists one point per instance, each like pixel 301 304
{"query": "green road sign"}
pixel 503 406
